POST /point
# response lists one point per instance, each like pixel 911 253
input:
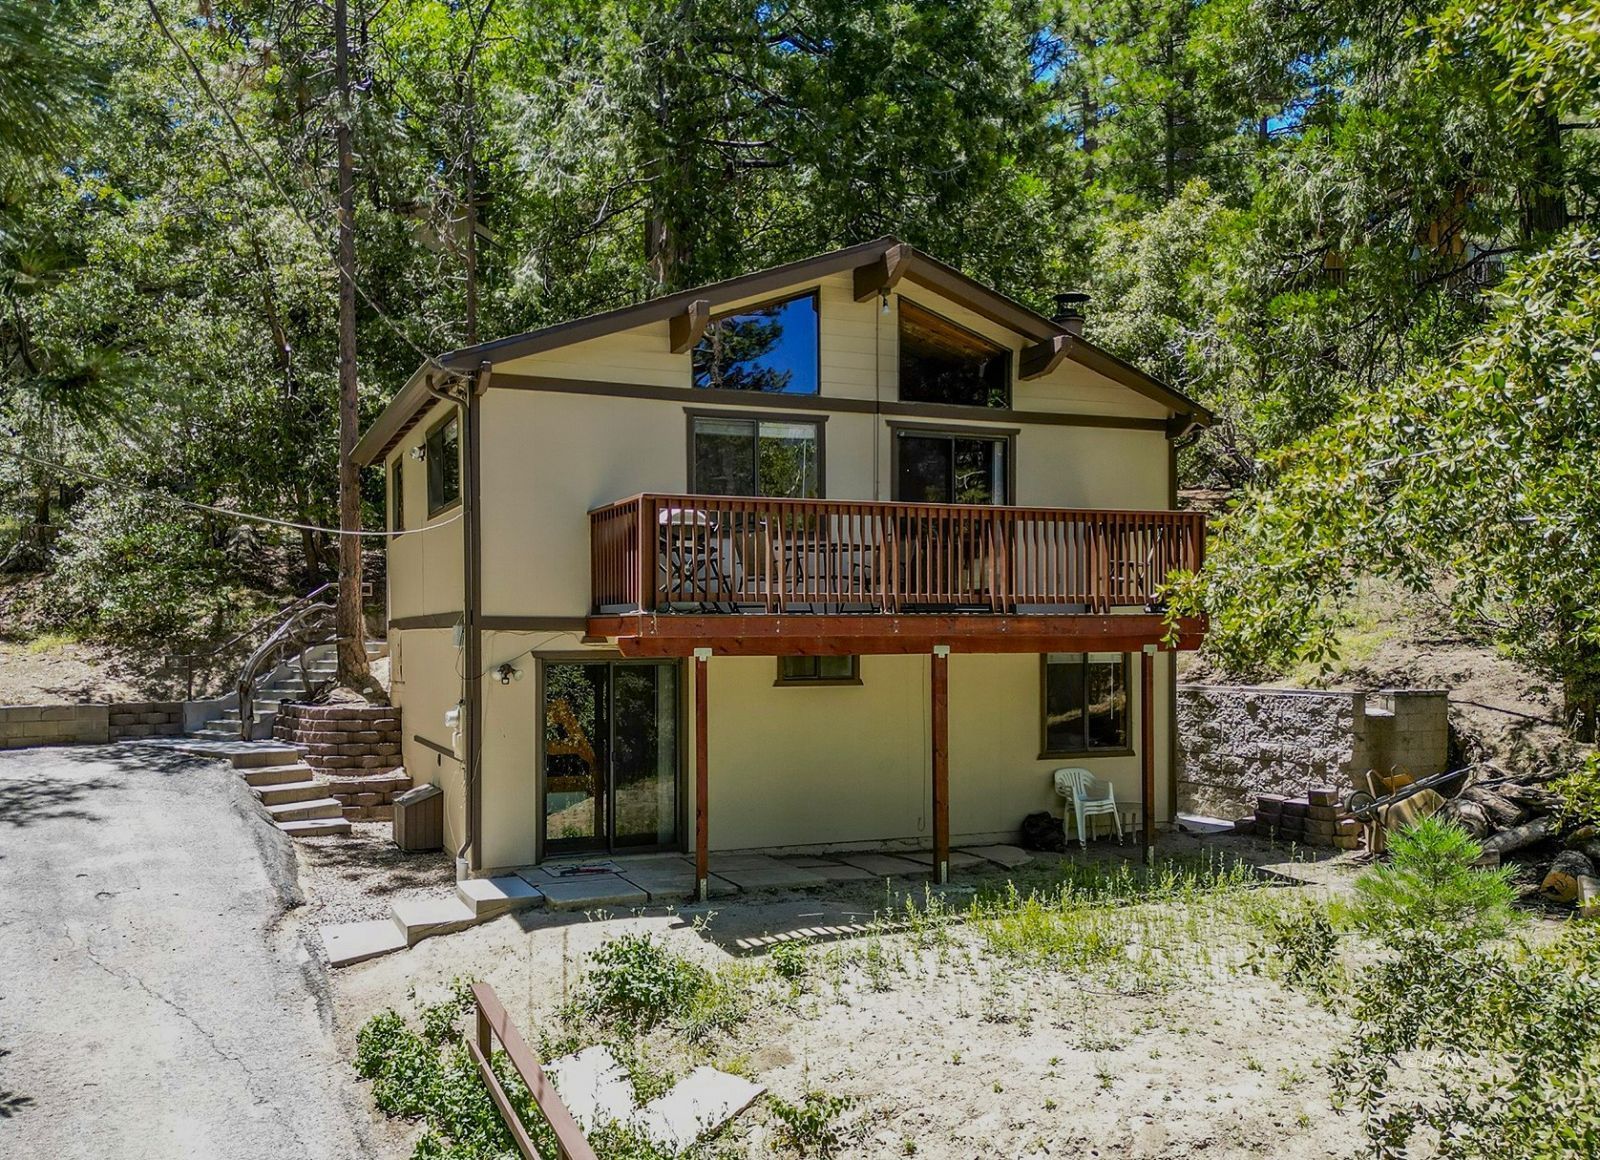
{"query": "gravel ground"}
pixel 356 878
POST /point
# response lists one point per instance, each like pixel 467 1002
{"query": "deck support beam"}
pixel 702 830
pixel 940 719
pixel 1147 750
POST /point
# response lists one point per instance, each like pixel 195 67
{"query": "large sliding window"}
pixel 941 362
pixel 736 455
pixel 772 348
pixel 951 467
pixel 1085 707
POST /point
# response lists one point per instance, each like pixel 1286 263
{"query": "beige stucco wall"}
pixel 828 766
pixel 788 766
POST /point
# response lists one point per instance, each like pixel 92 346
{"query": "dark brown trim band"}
pixel 425 620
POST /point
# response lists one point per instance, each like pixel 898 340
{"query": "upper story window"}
pixel 771 348
pixel 941 362
pixel 397 495
pixel 444 465
pixel 734 455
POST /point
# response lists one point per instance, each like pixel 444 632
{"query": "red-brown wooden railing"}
pixel 493 1023
pixel 733 554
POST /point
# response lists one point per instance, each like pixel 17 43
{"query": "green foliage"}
pixel 441 1022
pixel 789 960
pixel 1429 887
pixel 635 981
pixel 1580 793
pixel 1303 943
pixel 1509 1040
pixel 811 1127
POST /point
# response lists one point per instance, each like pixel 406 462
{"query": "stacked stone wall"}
pixel 356 748
pixel 25 726
pixel 145 719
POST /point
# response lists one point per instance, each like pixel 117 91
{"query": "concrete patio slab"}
pixel 958 859
pixel 592 890
pixel 1008 856
pixel 567 871
pixel 355 942
pixel 594 1087
pixel 759 872
pixel 488 897
pixel 670 879
pixel 699 1103
pixel 883 865
pixel 839 872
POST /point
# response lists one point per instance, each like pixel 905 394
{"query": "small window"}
pixel 765 457
pixel 941 362
pixel 819 671
pixel 444 465
pixel 397 495
pixel 950 467
pixel 1085 704
pixel 771 349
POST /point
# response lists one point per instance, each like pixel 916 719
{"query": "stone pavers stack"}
pixel 1316 819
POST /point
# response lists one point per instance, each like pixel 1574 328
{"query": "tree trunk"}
pixel 352 647
pixel 1561 880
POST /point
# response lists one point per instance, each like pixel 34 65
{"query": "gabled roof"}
pixel 911 265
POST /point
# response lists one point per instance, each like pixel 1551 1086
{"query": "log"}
pixel 1503 812
pixel 1581 837
pixel 1530 797
pixel 1591 851
pixel 1517 837
pixel 1561 881
pixel 1589 897
pixel 1470 816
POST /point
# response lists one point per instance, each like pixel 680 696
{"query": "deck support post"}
pixel 940 722
pixel 702 855
pixel 1147 750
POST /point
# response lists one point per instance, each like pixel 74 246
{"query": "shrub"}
pixel 811 1127
pixel 1580 793
pixel 788 961
pixel 1431 887
pixel 636 982
pixel 403 1067
pixel 1303 942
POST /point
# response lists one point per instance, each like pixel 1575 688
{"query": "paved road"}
pixel 151 1002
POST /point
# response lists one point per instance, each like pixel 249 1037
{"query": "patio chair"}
pixel 1088 796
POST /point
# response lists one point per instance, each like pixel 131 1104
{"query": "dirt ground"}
pixel 949 1051
pixel 54 671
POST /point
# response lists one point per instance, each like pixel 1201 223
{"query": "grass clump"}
pixel 812 1125
pixel 636 982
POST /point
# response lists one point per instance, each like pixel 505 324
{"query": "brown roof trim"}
pixel 909 263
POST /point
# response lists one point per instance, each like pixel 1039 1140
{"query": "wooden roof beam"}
pixel 882 274
pixel 1043 357
pixel 688 326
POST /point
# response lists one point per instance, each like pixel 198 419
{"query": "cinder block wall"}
pixel 146 719
pixel 25 726
pixel 1235 742
pixel 355 747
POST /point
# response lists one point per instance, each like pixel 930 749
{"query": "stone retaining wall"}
pixel 355 747
pixel 1235 743
pixel 24 726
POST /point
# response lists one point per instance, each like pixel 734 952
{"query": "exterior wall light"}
pixel 508 673
pixel 419 452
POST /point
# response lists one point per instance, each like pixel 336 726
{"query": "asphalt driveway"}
pixel 154 1001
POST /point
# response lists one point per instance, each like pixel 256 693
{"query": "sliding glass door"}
pixel 610 756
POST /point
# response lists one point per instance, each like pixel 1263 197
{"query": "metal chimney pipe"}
pixel 1069 311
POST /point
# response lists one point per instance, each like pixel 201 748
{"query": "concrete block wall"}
pixel 356 748
pixel 145 719
pixel 1236 742
pixel 25 726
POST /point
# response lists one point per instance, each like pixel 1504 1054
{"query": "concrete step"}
pixel 291 791
pixel 420 918
pixel 210 733
pixel 316 828
pixel 307 810
pixel 264 755
pixel 278 775
pixel 355 942
pixel 488 897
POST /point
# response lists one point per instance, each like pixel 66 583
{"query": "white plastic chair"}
pixel 1088 797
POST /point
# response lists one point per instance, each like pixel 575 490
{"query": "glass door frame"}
pixel 606 847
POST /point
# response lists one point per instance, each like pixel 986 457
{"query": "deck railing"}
pixel 663 553
pixel 493 1023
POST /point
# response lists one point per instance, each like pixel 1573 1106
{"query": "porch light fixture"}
pixel 884 295
pixel 419 453
pixel 508 673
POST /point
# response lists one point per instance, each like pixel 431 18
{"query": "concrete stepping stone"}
pixel 1008 856
pixel 316 828
pixel 665 882
pixel 420 918
pixel 958 859
pixel 594 1086
pixel 883 865
pixel 701 1102
pixel 303 811
pixel 589 891
pixel 762 872
pixel 839 872
pixel 490 897
pixel 355 942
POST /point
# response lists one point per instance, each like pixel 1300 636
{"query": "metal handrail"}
pixel 299 631
pixel 189 659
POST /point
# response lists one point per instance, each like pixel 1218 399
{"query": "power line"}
pixel 222 511
pixel 272 180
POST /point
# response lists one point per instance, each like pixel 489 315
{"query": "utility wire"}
pixel 222 511
pixel 283 194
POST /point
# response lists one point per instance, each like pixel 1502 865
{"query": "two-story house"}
pixel 848 553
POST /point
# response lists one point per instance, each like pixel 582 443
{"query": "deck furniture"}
pixel 1088 797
